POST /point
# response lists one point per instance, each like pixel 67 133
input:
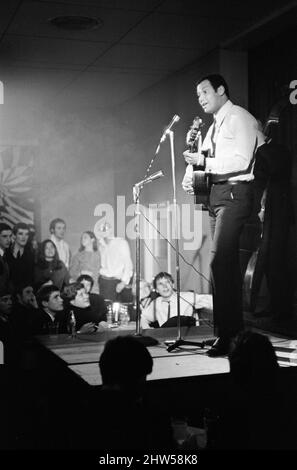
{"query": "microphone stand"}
pixel 146 340
pixel 179 341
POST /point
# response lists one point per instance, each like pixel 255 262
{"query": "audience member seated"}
pixel 5 240
pixel 49 268
pixel 51 317
pixel 11 352
pixel 86 260
pixel 164 307
pixel 24 311
pixel 258 413
pixel 19 257
pixel 96 300
pixel 57 229
pixel 5 306
pixel 88 319
pixel 126 422
pixel 146 294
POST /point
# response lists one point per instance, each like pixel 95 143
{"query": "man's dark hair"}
pixel 4 292
pixel 56 263
pixel 4 226
pixel 44 293
pixel 162 275
pixel 85 277
pixel 124 361
pixel 70 291
pixel 20 226
pixel 216 81
pixel 54 222
pixel 20 287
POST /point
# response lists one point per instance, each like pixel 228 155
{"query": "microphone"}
pixel 175 119
pixel 153 177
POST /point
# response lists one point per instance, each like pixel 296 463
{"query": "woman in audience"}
pixel 49 269
pixel 89 318
pixel 87 259
pixel 96 300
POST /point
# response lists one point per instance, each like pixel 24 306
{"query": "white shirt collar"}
pixel 57 240
pixel 169 299
pixel 1 252
pixel 220 115
pixel 50 314
pixel 17 249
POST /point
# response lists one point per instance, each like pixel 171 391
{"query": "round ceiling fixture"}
pixel 76 23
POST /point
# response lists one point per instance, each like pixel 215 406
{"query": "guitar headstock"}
pixel 194 131
pixel 197 123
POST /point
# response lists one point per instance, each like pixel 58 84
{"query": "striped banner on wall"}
pixel 16 184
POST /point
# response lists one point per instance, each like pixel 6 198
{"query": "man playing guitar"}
pixel 231 142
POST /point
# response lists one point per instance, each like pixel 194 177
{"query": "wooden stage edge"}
pixel 81 354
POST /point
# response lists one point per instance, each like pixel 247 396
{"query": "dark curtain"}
pixel 272 67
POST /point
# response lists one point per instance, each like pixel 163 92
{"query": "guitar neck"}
pixel 195 146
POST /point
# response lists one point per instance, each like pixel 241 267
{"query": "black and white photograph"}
pixel 148 238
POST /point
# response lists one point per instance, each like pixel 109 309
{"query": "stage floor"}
pixel 81 354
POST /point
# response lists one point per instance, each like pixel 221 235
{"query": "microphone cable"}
pixel 173 247
pixel 202 319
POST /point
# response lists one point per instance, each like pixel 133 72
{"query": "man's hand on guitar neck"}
pixel 194 158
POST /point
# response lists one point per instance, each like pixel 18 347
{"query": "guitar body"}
pixel 252 282
pixel 201 186
pixel 255 270
pixel 200 181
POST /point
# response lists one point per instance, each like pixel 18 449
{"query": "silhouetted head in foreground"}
pixel 125 364
pixel 253 360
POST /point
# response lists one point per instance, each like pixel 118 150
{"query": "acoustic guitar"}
pixel 200 181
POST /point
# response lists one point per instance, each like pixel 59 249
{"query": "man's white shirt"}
pixel 63 250
pixel 235 143
pixel 158 309
pixel 116 260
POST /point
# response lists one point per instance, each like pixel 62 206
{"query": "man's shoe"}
pixel 219 348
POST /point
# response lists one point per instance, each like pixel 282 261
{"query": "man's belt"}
pixel 229 182
pixel 109 278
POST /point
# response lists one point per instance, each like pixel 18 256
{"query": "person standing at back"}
pixel 19 257
pixel 87 260
pixel 116 266
pixel 57 229
pixel 5 240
